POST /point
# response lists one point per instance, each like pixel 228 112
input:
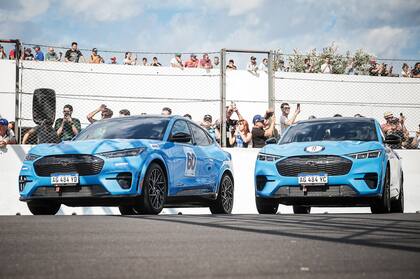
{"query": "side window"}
pixel 200 136
pixel 181 126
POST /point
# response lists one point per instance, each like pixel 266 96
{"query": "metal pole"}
pixel 223 97
pixel 271 93
pixel 17 118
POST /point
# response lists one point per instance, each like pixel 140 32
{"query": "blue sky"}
pixel 387 29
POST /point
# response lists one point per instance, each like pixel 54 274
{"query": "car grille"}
pixel 316 191
pixel 70 191
pixel 81 164
pixel 330 165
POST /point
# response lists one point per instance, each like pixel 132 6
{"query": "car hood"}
pixel 329 147
pixel 91 146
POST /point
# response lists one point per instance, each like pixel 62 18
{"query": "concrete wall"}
pixel 244 203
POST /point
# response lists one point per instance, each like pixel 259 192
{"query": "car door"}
pixel 206 173
pixel 183 162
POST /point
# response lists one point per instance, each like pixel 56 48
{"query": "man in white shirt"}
pixel 176 62
pixel 326 68
pixel 252 66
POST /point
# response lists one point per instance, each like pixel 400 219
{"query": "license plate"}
pixel 65 179
pixel 313 179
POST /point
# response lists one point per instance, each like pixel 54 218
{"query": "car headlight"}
pixel 31 157
pixel 268 157
pixel 365 155
pixel 122 153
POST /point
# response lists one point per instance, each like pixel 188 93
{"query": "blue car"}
pixel 140 164
pixel 330 162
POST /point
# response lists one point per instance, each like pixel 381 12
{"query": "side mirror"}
pixel 271 141
pixel 392 139
pixel 181 137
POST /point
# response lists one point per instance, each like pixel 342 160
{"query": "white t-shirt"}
pixel 326 68
pixel 175 63
pixel 252 67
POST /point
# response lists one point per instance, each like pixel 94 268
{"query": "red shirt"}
pixel 191 63
pixel 206 64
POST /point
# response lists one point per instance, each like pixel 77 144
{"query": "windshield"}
pixel 126 128
pixel 331 131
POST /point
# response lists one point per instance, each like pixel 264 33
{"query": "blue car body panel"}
pixel 211 163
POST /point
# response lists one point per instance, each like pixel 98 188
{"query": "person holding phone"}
pixel 285 122
pixel 68 126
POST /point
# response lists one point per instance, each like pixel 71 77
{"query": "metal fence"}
pixel 86 87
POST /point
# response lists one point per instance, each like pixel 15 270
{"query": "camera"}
pixel 268 115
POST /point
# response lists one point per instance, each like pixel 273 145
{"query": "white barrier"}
pixel 243 163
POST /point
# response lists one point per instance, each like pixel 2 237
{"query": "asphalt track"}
pixel 205 246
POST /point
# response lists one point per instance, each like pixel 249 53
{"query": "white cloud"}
pixel 24 10
pixel 235 7
pixel 98 10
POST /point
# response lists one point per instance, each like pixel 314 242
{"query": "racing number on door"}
pixel 191 163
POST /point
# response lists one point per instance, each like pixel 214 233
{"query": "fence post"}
pixel 271 92
pixel 223 97
pixel 17 91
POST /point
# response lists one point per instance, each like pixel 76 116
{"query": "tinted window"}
pixel 200 136
pixel 181 126
pixel 332 131
pixel 126 128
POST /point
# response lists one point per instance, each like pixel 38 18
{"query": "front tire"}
pixel 298 209
pixel 155 190
pixel 266 206
pixel 224 202
pixel 45 208
pixel 383 204
pixel 397 206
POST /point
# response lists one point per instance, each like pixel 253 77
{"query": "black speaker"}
pixel 43 106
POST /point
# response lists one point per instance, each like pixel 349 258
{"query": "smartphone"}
pixel 298 106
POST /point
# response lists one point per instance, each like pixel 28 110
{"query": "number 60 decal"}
pixel 191 162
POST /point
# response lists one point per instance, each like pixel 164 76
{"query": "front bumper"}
pixel 103 186
pixel 341 189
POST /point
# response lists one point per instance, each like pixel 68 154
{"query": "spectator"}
pixel 405 70
pixel 11 125
pixel 205 62
pixel 326 68
pixel 51 55
pixel 192 62
pixel 415 73
pixel 259 135
pixel 39 55
pixel 395 126
pixel 281 67
pixel 12 54
pixel 264 65
pixel 207 124
pixel 95 58
pixel 105 113
pixel 350 69
pixel 309 68
pixel 124 112
pixel 216 62
pixel 67 127
pixel 3 54
pixel 44 133
pixel 416 139
pixel 187 115
pixel 230 123
pixel 252 66
pixel 176 62
pixel 27 54
pixel 128 59
pixel 358 115
pixel 74 54
pixel 231 65
pixel 166 111
pixel 242 136
pixel 337 115
pixel 285 122
pixel 155 62
pixel 7 136
pixel 144 62
pixel 113 60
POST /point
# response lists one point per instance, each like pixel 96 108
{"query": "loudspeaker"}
pixel 43 106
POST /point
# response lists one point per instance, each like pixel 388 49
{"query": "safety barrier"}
pixel 244 203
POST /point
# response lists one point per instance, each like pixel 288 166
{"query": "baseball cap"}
pixel 35 47
pixel 253 58
pixel 114 58
pixel 3 122
pixel 388 114
pixel 178 54
pixel 257 118
pixel 193 55
pixel 207 117
pixel 94 49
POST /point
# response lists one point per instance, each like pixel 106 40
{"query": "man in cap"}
pixel 113 60
pixel 6 134
pixel 95 58
pixel 39 55
pixel 252 66
pixel 192 62
pixel 176 62
pixel 259 135
pixel 208 125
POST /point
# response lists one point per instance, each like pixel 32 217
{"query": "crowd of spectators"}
pixel 238 131
pixel 73 54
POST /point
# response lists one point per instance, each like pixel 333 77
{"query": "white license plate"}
pixel 313 179
pixel 65 179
